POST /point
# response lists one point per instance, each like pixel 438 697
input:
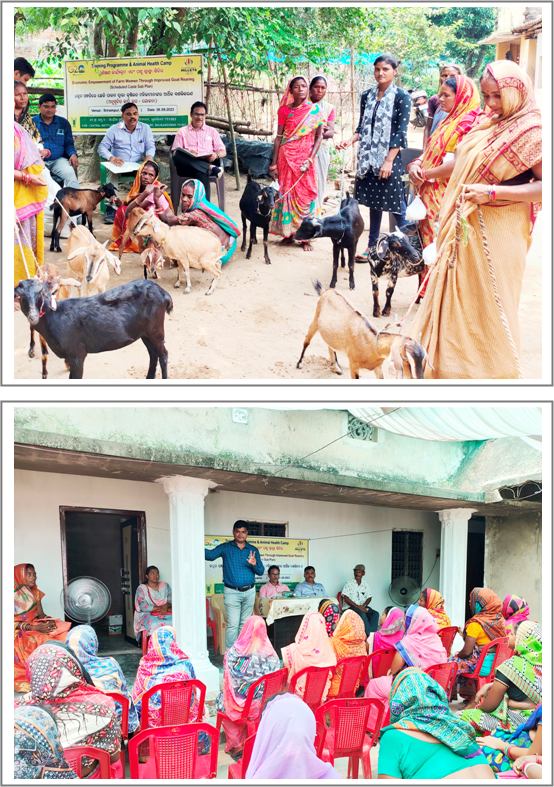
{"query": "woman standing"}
pixel 152 604
pixel 496 180
pixel 382 130
pixel 299 133
pixel 22 115
pixel 434 110
pixel 318 89
pixel 30 193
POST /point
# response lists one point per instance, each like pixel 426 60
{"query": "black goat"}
pixel 77 202
pixel 256 206
pixel 344 229
pixel 393 256
pixel 110 320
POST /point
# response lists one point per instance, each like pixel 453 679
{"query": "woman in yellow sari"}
pixel 468 321
pixel 30 192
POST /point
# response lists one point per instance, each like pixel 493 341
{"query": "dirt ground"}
pixel 253 325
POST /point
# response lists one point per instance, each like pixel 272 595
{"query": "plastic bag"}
pixel 448 157
pixel 430 254
pixel 416 210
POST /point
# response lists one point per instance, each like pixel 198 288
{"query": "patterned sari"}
pixel 203 213
pixel 498 760
pixel 331 614
pixel 147 602
pixel 514 610
pixel 29 202
pixel 323 159
pixel 38 753
pixel 434 603
pixel 348 640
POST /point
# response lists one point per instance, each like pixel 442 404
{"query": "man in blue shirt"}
pixel 241 563
pixel 309 587
pixel 58 139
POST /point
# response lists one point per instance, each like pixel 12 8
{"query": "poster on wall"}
pixel 162 89
pixel 290 554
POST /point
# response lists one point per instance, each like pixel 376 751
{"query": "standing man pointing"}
pixel 241 563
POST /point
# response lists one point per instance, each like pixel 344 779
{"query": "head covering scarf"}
pixel 311 648
pixel 137 186
pixel 391 631
pixel 27 122
pixel 301 120
pixel 287 97
pixel 24 598
pixel 374 142
pixel 331 614
pixel 487 611
pixel 284 745
pixel 199 202
pixel 525 668
pixel 38 753
pixel 417 702
pixel 349 636
pixel 514 610
pixel 456 124
pixel 421 646
pixel 434 602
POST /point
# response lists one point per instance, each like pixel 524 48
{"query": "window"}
pixel 276 530
pixel 407 554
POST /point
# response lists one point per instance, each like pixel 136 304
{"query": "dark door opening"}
pixel 109 545
pixel 475 572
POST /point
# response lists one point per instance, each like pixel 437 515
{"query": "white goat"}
pixel 87 260
pixel 190 247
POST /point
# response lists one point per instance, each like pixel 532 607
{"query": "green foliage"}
pixel 471 24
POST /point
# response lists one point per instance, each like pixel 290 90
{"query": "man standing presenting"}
pixel 356 596
pixel 241 563
pixel 273 588
pixel 309 587
pixel 58 139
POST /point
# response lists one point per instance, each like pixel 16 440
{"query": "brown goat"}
pixel 76 202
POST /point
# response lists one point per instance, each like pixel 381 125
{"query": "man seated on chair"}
pixel 356 596
pixel 126 141
pixel 273 588
pixel 58 139
pixel 198 148
pixel 309 587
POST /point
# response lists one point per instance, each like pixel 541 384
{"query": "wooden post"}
pixel 208 88
pixel 231 129
pixel 353 103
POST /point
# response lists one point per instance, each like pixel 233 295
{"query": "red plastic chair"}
pixel 125 705
pixel 352 671
pixel 273 683
pixel 339 599
pixel 354 730
pixel 211 625
pixel 447 636
pixel 501 653
pixel 145 641
pixel 314 688
pixel 381 661
pixel 176 701
pixel 174 753
pixel 75 754
pixel 444 674
pixel 238 769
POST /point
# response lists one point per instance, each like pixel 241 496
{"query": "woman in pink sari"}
pixel 514 610
pixel 299 133
pixel 311 648
pixel 390 632
pixel 152 604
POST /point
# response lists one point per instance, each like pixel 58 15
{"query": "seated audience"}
pixel 425 740
pixel 514 610
pixel 485 625
pixel 348 640
pixel 517 687
pixel 84 715
pixel 251 657
pixel 434 603
pixel 105 672
pixel 284 745
pixel 38 753
pixel 391 630
pixel 31 626
pixel 273 588
pixel 23 71
pixel 311 648
pixel 356 595
pixel 152 604
pixel 309 587
pixel 58 139
pixel 198 149
pixel 504 749
pixel 331 614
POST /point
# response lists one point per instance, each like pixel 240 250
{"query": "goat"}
pixel 152 258
pixel 344 229
pixel 47 273
pixel 343 328
pixel 87 260
pixel 394 256
pixel 77 202
pixel 256 206
pixel 108 321
pixel 191 247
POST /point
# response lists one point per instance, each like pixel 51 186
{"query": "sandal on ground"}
pixel 362 257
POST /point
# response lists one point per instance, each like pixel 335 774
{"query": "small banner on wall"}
pixel 290 554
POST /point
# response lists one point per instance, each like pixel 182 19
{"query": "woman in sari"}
pixel 424 739
pixel 152 604
pixel 434 111
pixel 318 89
pixel 38 753
pixel 433 601
pixel 22 115
pixel 30 193
pixel 485 624
pixel 331 614
pixel 84 715
pixel 504 749
pixel 348 640
pixel 311 648
pixel 477 280
pixel 517 688
pixel 514 610
pixel 391 630
pixel 105 673
pixel 299 134
pixel 31 626
pixel 248 659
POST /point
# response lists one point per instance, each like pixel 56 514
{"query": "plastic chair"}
pixel 501 653
pixel 176 702
pixel 444 674
pixel 174 753
pixel 238 769
pixel 380 661
pixel 125 705
pixel 314 688
pixel 74 756
pixel 220 617
pixel 211 625
pixel 273 683
pixel 339 599
pixel 352 672
pixel 353 731
pixel 145 640
pixel 447 636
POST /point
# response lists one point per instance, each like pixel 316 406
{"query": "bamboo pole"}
pixel 231 129
pixel 209 79
pixel 353 101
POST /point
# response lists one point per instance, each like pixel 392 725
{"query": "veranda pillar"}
pixel 453 565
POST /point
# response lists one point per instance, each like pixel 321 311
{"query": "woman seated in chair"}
pixel 348 641
pixel 152 604
pixel 507 751
pixel 514 610
pixel 331 614
pixel 425 740
pixel 391 630
pixel 311 648
pixel 433 601
pixel 38 753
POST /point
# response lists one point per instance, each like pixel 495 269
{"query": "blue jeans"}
pixel 375 218
pixel 239 605
pixel 61 168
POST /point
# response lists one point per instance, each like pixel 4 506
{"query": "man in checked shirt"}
pixel 241 563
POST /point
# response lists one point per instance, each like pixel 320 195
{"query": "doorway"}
pixel 109 545
pixel 475 571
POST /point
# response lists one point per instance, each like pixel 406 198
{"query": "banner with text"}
pixel 290 554
pixel 162 89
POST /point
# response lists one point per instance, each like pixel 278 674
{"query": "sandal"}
pixel 362 257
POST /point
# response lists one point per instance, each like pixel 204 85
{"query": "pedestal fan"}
pixel 86 600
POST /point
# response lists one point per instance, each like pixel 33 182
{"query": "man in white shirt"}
pixel 356 596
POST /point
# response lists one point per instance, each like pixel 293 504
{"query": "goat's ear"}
pixel 80 250
pixel 260 197
pixel 382 247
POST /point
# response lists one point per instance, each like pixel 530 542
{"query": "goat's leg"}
pixel 54 225
pixel 379 371
pixel 335 265
pixel 186 268
pixel 351 255
pixel 211 288
pixel 243 246
pixel 252 239
pixel 178 282
pixel 153 353
pixel 354 370
pixel 75 367
pixel 266 252
pixel 343 261
pixel 44 357
pixel 375 287
pixel 157 341
pixel 312 330
pixel 58 231
pixel 389 292
pixel 335 360
pixel 89 218
pixel 31 352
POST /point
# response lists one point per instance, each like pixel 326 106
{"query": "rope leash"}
pixel 398 323
pixel 342 176
pixel 18 232
pixel 279 199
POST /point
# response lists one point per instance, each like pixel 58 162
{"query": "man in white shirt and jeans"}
pixel 356 596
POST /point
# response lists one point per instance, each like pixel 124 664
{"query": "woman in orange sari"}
pixel 31 626
pixel 348 640
pixel 299 134
pixel 433 601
